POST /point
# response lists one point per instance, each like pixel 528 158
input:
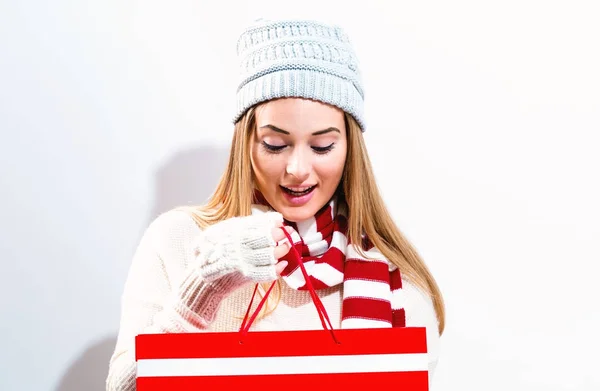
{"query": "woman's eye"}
pixel 279 148
pixel 323 149
pixel 273 148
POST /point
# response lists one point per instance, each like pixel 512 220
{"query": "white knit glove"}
pixel 239 250
pixel 228 255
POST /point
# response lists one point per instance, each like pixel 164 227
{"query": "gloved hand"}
pixel 243 249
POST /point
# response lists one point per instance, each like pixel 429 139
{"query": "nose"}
pixel 298 165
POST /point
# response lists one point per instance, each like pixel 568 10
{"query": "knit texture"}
pixel 299 58
pixel 239 250
pixel 165 294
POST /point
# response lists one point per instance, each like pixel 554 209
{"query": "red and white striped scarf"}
pixel 372 288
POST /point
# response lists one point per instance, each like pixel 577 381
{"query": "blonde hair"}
pixel 367 212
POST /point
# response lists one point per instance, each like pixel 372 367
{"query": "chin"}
pixel 296 215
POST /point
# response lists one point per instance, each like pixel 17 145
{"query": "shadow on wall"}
pixel 89 370
pixel 188 178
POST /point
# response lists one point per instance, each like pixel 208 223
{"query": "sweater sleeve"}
pixel 420 312
pixel 162 293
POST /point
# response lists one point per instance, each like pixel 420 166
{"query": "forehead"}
pixel 298 115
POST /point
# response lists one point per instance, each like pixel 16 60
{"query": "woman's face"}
pixel 298 155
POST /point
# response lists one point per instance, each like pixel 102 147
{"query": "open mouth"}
pixel 298 192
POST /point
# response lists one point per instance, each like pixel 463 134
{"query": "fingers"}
pixel 280 267
pixel 275 218
pixel 266 273
pixel 262 273
pixel 282 249
pixel 257 231
pixel 278 234
pixel 268 255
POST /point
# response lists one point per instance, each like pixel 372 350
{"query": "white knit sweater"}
pixel 159 297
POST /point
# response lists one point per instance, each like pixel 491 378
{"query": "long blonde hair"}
pixel 367 212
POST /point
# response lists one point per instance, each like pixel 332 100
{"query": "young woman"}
pixel 298 162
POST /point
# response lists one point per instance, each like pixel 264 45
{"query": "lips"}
pixel 298 191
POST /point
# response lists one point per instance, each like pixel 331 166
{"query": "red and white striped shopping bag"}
pixel 391 357
pixel 347 358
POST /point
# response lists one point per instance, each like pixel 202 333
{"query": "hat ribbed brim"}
pixel 302 83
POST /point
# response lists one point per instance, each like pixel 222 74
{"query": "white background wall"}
pixel 483 128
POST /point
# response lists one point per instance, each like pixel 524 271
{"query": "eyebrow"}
pixel 317 133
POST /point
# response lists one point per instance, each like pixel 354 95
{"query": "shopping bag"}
pixel 349 359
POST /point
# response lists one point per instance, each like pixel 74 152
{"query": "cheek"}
pixel 265 167
pixel 332 168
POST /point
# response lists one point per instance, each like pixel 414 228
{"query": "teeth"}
pixel 298 191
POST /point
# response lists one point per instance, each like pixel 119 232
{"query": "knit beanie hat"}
pixel 298 58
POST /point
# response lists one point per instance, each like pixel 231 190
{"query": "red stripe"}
pixel 327 234
pixel 355 307
pixel 395 280
pixel 323 218
pixel 399 318
pixel 326 228
pixel 292 260
pixel 282 343
pixel 406 381
pixel 316 284
pixel 303 249
pixel 366 270
pixel 334 257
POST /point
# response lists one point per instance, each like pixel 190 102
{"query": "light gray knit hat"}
pixel 298 58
